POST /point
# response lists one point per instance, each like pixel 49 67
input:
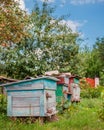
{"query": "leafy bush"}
pixel 91 92
pixel 62 106
pixel 3 103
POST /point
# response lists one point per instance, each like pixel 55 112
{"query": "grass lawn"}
pixel 83 116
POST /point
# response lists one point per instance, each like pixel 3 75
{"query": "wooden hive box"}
pixel 62 88
pixel 74 88
pixel 32 97
pixel 60 92
pixel 63 79
pixel 74 79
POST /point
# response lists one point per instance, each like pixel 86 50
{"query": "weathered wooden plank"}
pixel 26 106
pixel 9 109
pixel 26 101
pixel 41 106
pixel 65 89
pixel 66 80
pixel 50 103
pixel 50 84
pixel 26 111
pixel 26 86
pixel 31 93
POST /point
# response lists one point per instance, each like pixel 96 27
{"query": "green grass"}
pixel 83 116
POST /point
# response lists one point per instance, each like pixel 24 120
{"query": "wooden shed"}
pixel 33 97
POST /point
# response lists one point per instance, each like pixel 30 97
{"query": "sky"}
pixel 83 16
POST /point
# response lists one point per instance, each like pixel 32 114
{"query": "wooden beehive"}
pixel 62 93
pixel 32 97
pixel 62 88
pixel 74 88
pixel 63 80
pixel 74 79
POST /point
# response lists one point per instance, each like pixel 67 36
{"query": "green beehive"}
pixel 59 93
pixel 76 80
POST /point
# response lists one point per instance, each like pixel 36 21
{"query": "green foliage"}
pixel 3 104
pixel 13 23
pixel 52 46
pixel 63 106
pixel 102 77
pixel 56 42
pixel 99 47
pixel 89 63
pixel 92 63
pixel 101 111
pixel 91 92
pixel 102 93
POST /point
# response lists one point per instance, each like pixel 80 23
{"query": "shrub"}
pixel 91 92
pixel 3 103
pixel 62 106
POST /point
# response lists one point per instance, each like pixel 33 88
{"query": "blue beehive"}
pixel 32 97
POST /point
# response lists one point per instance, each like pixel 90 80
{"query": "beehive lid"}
pixel 33 79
